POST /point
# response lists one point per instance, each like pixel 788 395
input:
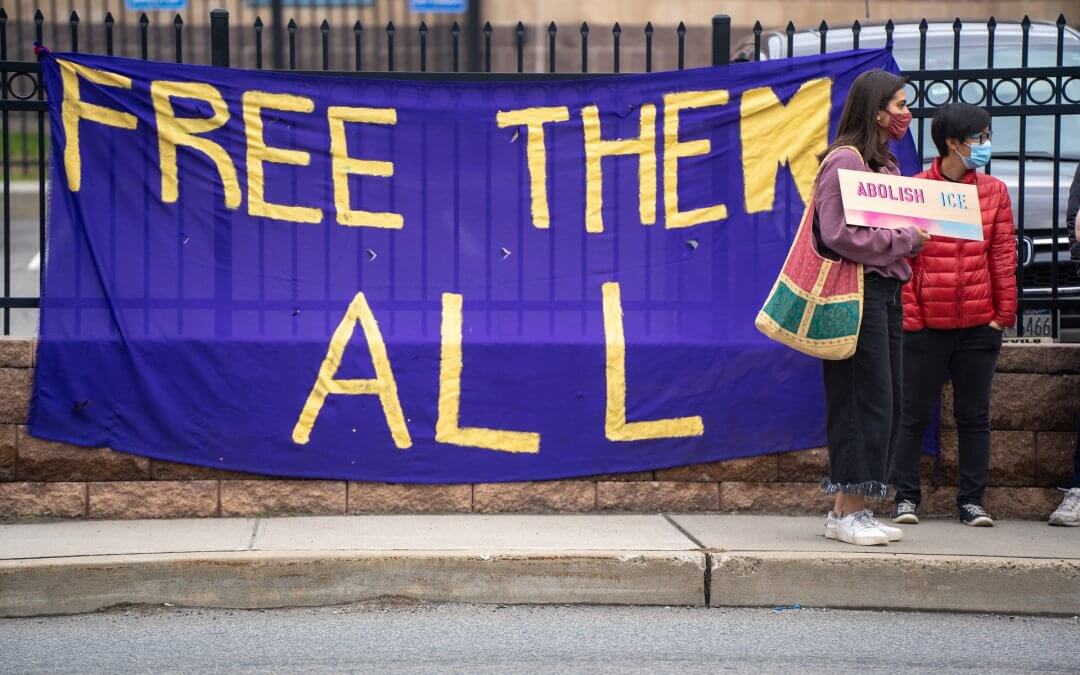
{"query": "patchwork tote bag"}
pixel 816 304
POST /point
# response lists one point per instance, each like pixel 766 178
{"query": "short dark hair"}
pixel 957 121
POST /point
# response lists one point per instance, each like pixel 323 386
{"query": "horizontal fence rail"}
pixel 1026 74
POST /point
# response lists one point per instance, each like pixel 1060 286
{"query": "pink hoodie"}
pixel 883 251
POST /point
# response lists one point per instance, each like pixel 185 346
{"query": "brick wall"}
pixel 1036 400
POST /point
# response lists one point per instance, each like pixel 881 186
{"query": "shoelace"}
pixel 976 510
pixel 905 507
pixel 865 519
pixel 1072 500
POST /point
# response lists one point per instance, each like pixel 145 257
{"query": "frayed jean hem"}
pixel 870 488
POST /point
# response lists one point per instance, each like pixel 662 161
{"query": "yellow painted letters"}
pixel 176 131
pixel 254 102
pixel 447 429
pixel 534 119
pixel 674 149
pixel 596 148
pixel 775 134
pixel 73 109
pixel 343 165
pixel 616 428
pixel 382 385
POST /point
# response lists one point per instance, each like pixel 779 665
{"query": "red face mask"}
pixel 898 125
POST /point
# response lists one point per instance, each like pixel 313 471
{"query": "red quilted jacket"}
pixel 959 284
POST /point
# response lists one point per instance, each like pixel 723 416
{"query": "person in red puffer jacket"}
pixel 961 296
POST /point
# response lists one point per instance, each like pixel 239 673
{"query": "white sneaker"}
pixel 831 520
pixel 857 528
pixel 893 533
pixel 1068 514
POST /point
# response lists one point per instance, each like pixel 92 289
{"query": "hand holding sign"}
pixel 936 207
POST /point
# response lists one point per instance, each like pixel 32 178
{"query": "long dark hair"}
pixel 870 93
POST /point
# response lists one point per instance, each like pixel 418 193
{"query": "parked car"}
pixel 1036 248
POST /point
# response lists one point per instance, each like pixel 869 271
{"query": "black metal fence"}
pixel 1026 74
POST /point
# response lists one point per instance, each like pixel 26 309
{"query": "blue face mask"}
pixel 980 155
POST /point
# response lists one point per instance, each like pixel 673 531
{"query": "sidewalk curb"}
pixel 267 579
pixel 897 581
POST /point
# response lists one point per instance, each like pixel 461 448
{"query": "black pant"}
pixel 863 396
pixel 969 355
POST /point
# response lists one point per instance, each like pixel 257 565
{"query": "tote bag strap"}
pixel 806 225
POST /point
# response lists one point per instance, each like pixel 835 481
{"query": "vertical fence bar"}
pixel 721 40
pixel 422 30
pixel 390 46
pixel 292 43
pixel 1025 28
pixel 455 46
pixel 4 129
pixel 178 27
pixel 790 31
pixel 487 46
pixel 39 34
pixel 325 30
pixel 144 27
pixel 258 42
pixel 39 24
pixel 219 38
pixel 757 40
pixel 856 29
pixel 472 37
pixel 74 20
pixel 991 27
pixel 823 31
pixel 584 47
pixel 616 35
pixel 552 30
pixel 520 46
pixel 358 39
pixel 681 32
pixel 110 22
pixel 648 46
pixel 956 27
pixel 923 27
pixel 1055 314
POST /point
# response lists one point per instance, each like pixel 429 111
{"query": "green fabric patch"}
pixel 834 320
pixel 786 308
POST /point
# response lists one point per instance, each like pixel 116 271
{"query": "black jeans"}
pixel 969 356
pixel 863 396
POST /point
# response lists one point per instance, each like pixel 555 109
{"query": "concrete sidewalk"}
pixel 720 560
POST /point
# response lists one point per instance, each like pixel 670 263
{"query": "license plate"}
pixel 1038 323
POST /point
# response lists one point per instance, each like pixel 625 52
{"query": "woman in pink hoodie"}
pixel 863 393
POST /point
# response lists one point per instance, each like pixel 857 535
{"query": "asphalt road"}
pixel 397 637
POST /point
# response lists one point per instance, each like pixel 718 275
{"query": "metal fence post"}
pixel 721 40
pixel 219 37
pixel 472 37
pixel 277 42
